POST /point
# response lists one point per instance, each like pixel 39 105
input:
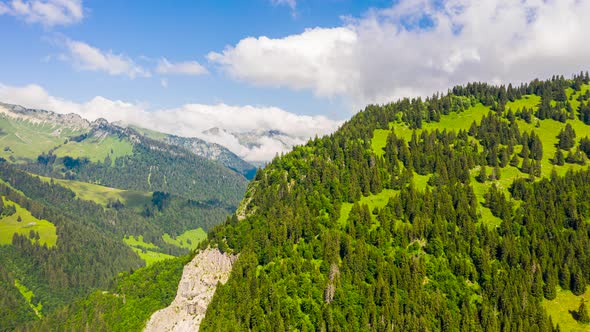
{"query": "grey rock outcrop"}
pixel 195 291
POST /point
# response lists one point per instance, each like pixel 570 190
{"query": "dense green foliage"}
pixel 14 309
pixel 431 259
pixel 126 307
pixel 89 251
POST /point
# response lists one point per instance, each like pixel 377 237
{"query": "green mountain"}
pixel 460 212
pixel 211 151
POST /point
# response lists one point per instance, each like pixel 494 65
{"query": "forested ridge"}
pixel 152 166
pixel 459 212
pixel 89 252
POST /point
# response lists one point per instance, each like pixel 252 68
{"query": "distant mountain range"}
pixel 72 125
pixel 260 145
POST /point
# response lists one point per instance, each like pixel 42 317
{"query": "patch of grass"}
pixel 528 101
pixel 133 241
pixel 142 248
pixel 96 149
pixel 453 121
pixel 559 310
pixel 421 181
pixel 10 225
pixel 24 140
pixel 150 133
pixel 151 257
pixel 459 121
pixel 103 195
pixel 379 141
pixel 189 239
pixel 379 201
pixel 28 295
pixel 574 101
pixel 548 131
pixel 480 189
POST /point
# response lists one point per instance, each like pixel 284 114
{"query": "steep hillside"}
pixel 467 211
pixel 124 307
pixel 25 134
pixel 60 240
pixel 206 150
pixel 69 147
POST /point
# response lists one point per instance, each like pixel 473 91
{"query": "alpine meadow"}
pixel 314 165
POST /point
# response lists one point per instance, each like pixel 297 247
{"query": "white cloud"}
pixel 180 68
pixel 318 59
pixel 86 57
pixel 46 12
pixel 191 120
pixel 391 53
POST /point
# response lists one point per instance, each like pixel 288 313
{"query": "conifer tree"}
pixel 558 159
pixel 582 313
pixel 482 176
pixel 514 161
pixel 566 138
pixel 578 282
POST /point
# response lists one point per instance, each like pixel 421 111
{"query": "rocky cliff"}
pixel 195 290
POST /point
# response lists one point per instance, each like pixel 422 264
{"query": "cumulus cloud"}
pixel 242 129
pixel 86 57
pixel 46 12
pixel 317 59
pixel 419 47
pixel 180 68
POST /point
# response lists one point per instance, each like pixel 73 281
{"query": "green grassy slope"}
pixel 96 149
pixel 547 130
pixel 103 195
pixel 23 140
pixel 560 309
pixel 190 239
pixel 28 295
pixel 9 225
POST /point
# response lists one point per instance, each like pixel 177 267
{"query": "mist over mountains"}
pixel 254 133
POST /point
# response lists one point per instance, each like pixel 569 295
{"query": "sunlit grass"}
pixel 9 225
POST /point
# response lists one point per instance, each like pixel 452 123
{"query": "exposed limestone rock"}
pixel 195 291
pixel 72 121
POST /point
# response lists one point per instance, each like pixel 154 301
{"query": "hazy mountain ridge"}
pixel 82 129
pixel 73 121
pixel 211 151
pixel 261 145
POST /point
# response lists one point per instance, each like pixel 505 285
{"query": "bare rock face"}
pixel 195 291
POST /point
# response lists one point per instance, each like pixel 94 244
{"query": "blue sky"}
pixel 297 66
pixel 146 31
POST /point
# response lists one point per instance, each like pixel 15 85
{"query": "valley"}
pixel 74 218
